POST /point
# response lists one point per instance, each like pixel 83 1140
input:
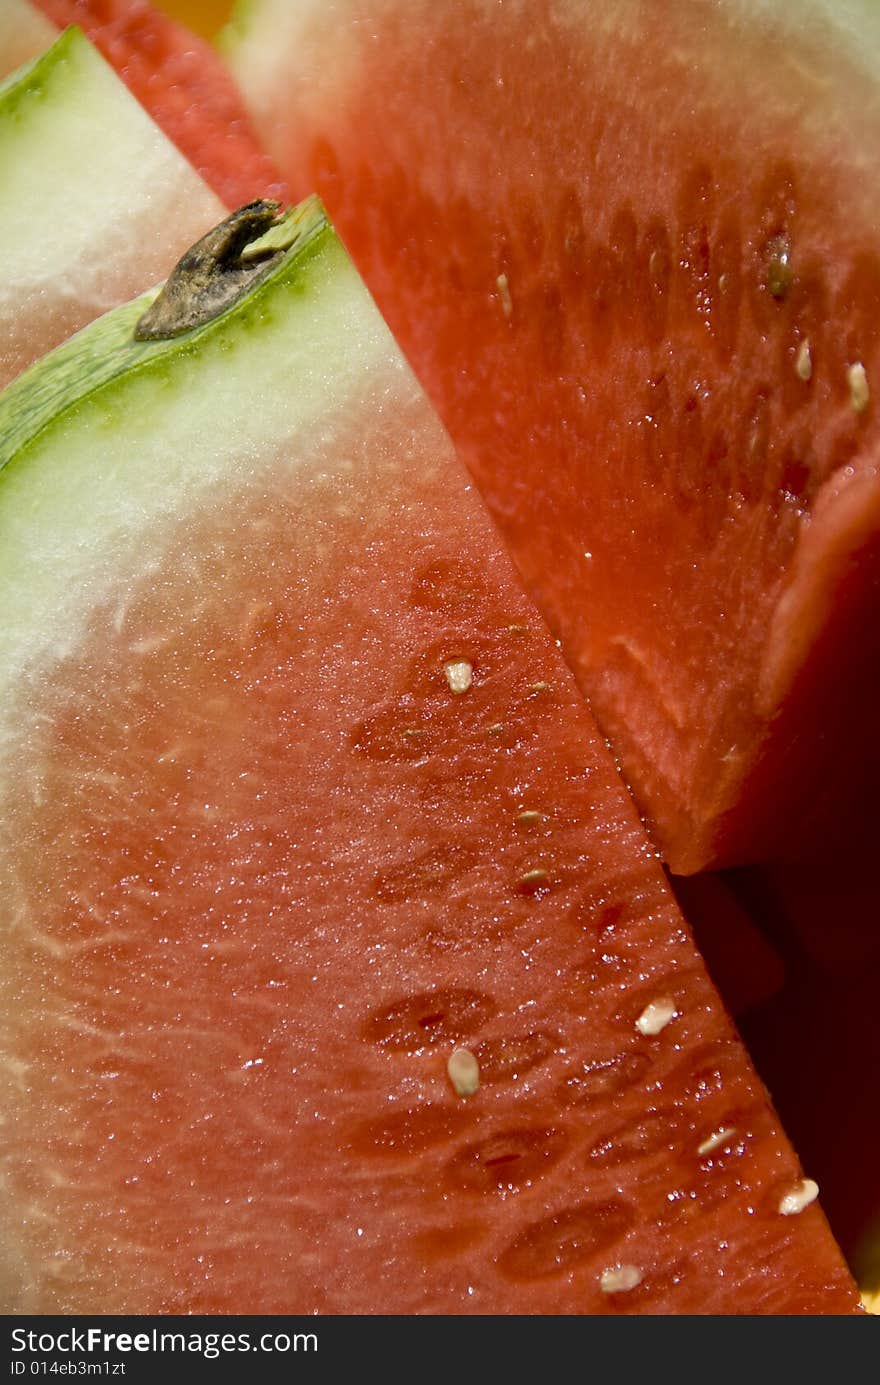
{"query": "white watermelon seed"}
pixel 803 361
pixel 504 295
pixel 799 1197
pixel 620 1279
pixel 716 1139
pixel 859 393
pixel 459 675
pixel 464 1072
pixel 656 1016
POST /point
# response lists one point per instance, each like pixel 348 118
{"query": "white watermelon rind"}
pixel 25 33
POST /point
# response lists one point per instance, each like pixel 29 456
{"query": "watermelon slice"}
pixel 187 90
pixel 339 974
pixel 24 34
pixel 638 274
pixel 72 245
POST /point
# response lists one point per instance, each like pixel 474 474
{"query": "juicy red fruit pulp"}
pixel 641 340
pixel 268 870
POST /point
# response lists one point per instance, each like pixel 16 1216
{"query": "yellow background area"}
pixel 204 17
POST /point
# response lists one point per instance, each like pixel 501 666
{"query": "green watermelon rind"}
pixel 32 79
pixel 85 455
pixel 75 246
pixel 107 350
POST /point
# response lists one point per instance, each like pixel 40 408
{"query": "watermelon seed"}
pixel 533 880
pixel 779 274
pixel 803 361
pixel 620 1279
pixel 530 816
pixel 459 675
pixel 215 272
pixel 504 295
pixel 464 1072
pixel 537 688
pixel 717 1139
pixel 799 1197
pixel 859 394
pixel 656 1016
pixel 495 729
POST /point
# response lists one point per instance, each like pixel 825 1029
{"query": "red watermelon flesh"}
pixel 266 869
pixel 631 252
pixel 184 86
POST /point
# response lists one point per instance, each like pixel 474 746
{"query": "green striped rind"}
pixel 34 78
pixel 106 350
pixel 89 360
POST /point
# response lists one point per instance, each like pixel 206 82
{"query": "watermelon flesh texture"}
pixel 266 870
pixel 75 243
pixel 184 86
pixel 650 323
